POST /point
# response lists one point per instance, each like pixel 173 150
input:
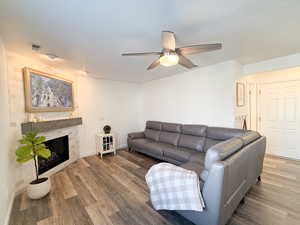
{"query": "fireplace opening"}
pixel 59 148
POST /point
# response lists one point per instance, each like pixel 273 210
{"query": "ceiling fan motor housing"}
pixel 170 55
pixel 168 58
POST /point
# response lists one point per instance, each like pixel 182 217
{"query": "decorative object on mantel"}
pixel 44 126
pixel 105 143
pixel 240 94
pixel 106 129
pixel 46 92
pixel 31 147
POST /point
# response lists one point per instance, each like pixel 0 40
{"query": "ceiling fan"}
pixel 170 55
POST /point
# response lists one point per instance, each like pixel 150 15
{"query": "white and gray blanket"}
pixel 174 188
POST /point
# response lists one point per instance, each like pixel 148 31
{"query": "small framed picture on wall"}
pixel 240 94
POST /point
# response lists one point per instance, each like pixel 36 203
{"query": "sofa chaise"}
pixel 228 161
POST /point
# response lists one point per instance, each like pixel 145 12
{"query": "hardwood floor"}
pixel 92 191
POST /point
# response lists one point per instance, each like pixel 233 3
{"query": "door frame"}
pixel 259 107
pixel 258 98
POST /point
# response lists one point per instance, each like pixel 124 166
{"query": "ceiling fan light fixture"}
pixel 169 60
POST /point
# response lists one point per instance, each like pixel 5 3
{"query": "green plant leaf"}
pixel 24 151
pixel 40 146
pixel 25 158
pixel 32 145
pixel 39 140
pixel 45 153
pixel 25 142
pixel 30 136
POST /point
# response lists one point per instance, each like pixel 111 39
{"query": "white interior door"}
pixel 279 117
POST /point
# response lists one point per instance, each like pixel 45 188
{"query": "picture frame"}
pixel 240 94
pixel 46 92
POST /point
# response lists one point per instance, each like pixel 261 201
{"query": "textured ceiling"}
pixel 92 34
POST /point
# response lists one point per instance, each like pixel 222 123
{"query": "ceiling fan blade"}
pixel 186 62
pixel 141 54
pixel 194 49
pixel 168 40
pixel 154 64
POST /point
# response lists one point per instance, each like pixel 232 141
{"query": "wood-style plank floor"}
pixel 92 191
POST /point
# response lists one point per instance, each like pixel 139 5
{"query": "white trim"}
pixel 282 157
pixel 122 146
pixel 85 154
pixel 10 206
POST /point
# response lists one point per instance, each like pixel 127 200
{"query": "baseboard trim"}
pixel 85 154
pixel 122 147
pixel 10 206
pixel 282 157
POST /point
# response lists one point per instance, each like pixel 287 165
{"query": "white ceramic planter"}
pixel 39 190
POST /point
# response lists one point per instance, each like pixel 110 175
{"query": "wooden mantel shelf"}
pixel 44 126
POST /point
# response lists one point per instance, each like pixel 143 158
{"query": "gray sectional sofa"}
pixel 228 161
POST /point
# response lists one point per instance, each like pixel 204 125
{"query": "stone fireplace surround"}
pixel 65 127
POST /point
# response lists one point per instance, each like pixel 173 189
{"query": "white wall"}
pixel 202 96
pixel 104 102
pixel 7 174
pixel 273 64
pixel 99 102
pixel 15 63
pixel 274 70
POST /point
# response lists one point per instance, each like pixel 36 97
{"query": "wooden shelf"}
pixel 44 126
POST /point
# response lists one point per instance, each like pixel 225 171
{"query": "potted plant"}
pixel 31 147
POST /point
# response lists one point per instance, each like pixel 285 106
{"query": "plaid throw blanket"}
pixel 174 188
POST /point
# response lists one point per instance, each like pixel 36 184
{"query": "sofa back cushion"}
pixel 215 135
pixel 171 127
pixel 193 137
pixel 169 138
pixel 194 130
pixel 152 134
pixel 222 133
pixel 152 130
pixel 209 142
pixel 154 125
pixel 191 142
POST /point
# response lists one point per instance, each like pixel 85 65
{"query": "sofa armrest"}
pixel 221 151
pixel 136 135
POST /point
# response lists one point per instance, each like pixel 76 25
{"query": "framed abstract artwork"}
pixel 46 92
pixel 240 94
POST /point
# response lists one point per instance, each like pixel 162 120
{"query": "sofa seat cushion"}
pixel 193 166
pixel 198 157
pixel 140 142
pixel 148 147
pixel 176 153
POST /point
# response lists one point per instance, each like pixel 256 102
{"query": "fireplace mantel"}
pixel 44 126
